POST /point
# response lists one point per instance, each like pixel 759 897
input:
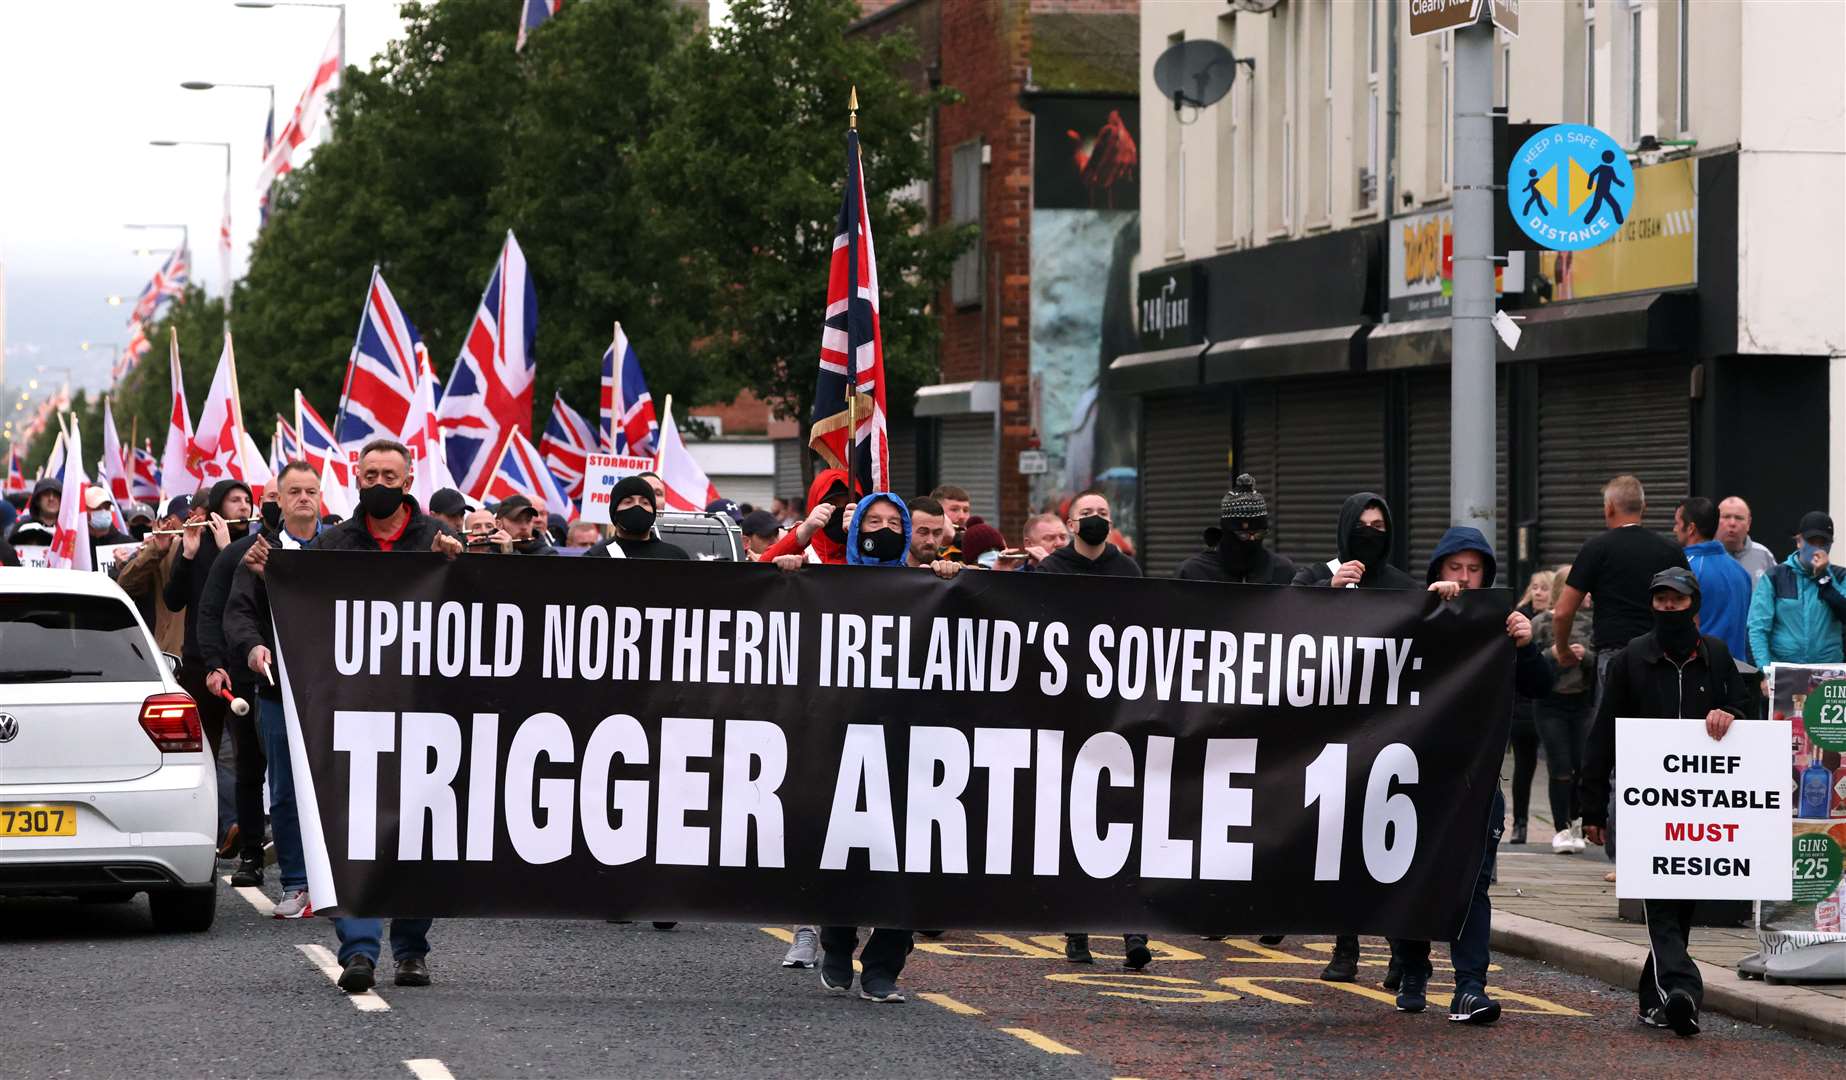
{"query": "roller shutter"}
pixel 1329 441
pixel 789 484
pixel 1596 420
pixel 965 455
pixel 1428 514
pixel 903 443
pixel 1185 471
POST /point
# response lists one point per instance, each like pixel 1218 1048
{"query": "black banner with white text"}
pixel 507 736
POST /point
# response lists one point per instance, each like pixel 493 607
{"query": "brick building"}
pixel 1039 155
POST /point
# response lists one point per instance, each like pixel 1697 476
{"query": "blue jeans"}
pixel 284 821
pixel 1470 952
pixel 359 937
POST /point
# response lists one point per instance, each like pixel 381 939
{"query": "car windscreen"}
pixel 51 637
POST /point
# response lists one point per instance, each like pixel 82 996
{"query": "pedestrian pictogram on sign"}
pixel 1570 187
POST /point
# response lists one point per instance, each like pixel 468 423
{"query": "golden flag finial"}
pixel 852 109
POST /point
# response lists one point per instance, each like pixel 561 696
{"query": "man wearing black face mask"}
pixel 631 504
pixel 1674 671
pixel 1364 543
pixel 1089 552
pixel 1237 552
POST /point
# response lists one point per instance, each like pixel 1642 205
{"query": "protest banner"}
pixel 108 555
pixel 617 739
pixel 600 473
pixel 1699 818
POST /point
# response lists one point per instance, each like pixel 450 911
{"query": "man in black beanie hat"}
pixel 1235 550
pixel 631 508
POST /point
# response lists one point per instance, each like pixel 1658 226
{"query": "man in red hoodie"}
pixel 821 536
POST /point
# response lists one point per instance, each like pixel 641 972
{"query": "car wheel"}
pixel 184 910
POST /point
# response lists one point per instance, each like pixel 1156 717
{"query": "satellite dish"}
pixel 1196 73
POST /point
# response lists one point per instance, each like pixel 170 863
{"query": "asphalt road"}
pixel 92 991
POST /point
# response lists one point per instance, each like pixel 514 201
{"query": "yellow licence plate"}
pixel 38 821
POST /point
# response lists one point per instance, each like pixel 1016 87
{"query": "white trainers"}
pixel 1564 843
pixel 295 906
pixel 803 952
pixel 1576 839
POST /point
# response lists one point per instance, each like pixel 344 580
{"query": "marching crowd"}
pixel 1638 624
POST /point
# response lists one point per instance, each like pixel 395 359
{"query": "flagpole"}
pixel 852 293
pixel 352 357
pixel 237 406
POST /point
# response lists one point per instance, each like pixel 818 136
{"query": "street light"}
pixel 224 247
pixel 114 301
pixel 265 4
pixel 198 84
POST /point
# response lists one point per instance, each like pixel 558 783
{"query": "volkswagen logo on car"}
pixel 9 727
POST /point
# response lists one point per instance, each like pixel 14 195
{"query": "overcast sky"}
pixel 83 87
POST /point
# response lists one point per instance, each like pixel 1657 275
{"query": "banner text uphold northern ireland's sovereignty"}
pixel 506 736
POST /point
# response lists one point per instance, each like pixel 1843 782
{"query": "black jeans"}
pixel 1564 725
pixel 251 766
pixel 1525 758
pixel 884 953
pixel 1669 966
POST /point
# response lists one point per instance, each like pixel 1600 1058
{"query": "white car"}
pixel 106 789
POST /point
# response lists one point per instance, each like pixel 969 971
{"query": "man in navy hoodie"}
pixel 1463 559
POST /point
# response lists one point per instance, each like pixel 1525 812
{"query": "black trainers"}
pixel 1344 967
pixel 249 873
pixel 836 972
pixel 1394 975
pixel 1469 1007
pixel 1139 955
pixel 1518 835
pixel 1682 1013
pixel 880 989
pixel 1077 949
pixel 412 971
pixel 356 977
pixel 1412 991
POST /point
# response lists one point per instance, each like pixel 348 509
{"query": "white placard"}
pixel 600 473
pixel 108 555
pixel 34 555
pixel 1698 819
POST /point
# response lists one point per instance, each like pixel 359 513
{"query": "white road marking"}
pixel 254 896
pixel 330 967
pixel 428 1069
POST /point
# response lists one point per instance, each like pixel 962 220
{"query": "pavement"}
pixel 1558 909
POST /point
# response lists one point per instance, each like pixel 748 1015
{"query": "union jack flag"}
pixel 381 375
pixel 144 480
pixel 566 446
pixel 851 349
pixel 16 482
pixel 138 346
pixel 286 446
pixel 531 14
pixel 269 143
pixel 318 446
pixel 520 470
pixel 490 390
pixel 168 283
pixel 628 423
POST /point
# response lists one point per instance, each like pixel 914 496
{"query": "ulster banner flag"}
pixel 851 350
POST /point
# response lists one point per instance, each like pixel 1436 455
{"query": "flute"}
pixel 180 529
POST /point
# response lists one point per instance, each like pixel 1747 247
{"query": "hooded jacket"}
pixel 146 575
pixel 855 555
pixel 823 546
pixel 420 532
pixel 1533 673
pixel 1268 568
pixel 1068 560
pixel 1381 576
pixel 186 585
pixel 30 516
pixel 1795 619
pixel 1724 595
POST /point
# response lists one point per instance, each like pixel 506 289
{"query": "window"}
pixel 1365 188
pixel 1275 111
pixel 1228 129
pixel 58 638
pixel 1175 176
pixel 1685 56
pixel 1506 75
pixel 965 209
pixel 1326 110
pixel 1636 121
pixel 1589 63
pixel 1448 108
pixel 1371 38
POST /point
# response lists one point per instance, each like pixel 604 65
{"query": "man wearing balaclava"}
pixel 1672 671
pixel 1235 550
pixel 632 510
pixel 1364 545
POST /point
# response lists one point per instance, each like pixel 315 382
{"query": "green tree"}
pixel 750 172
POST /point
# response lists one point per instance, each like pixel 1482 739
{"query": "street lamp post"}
pixel 341 8
pixel 224 228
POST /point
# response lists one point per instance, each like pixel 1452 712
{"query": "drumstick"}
pixel 239 706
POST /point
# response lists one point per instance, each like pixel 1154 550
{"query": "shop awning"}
pixel 1644 322
pixel 958 399
pixel 1325 350
pixel 1160 369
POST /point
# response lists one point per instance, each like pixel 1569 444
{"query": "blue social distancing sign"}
pixel 1570 187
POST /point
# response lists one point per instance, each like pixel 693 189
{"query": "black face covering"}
pixel 882 545
pixel 835 528
pixel 139 532
pixel 1369 545
pixel 1093 529
pixel 1676 631
pixel 380 502
pixel 635 520
pixel 272 516
pixel 1235 552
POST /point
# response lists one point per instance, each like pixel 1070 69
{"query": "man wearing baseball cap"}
pixel 522 522
pixel 1798 608
pixel 1671 671
pixel 448 506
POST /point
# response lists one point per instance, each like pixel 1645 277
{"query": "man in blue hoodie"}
pixel 1463 559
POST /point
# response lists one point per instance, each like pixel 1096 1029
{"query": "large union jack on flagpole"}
pixel 849 396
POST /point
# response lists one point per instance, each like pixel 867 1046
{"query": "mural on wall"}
pixel 1084 154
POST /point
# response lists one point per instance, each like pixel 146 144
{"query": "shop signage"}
pixel 1421 265
pixel 1435 16
pixel 1173 307
pixel 1570 187
pixel 1656 247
